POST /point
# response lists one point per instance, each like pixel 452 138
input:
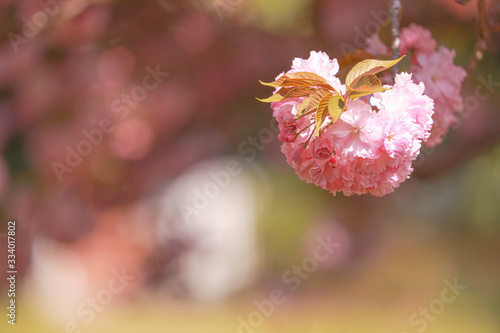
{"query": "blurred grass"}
pixel 324 313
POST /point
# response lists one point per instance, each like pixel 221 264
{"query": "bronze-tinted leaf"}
pixel 367 83
pixel 320 119
pixel 370 66
pixel 303 106
pixel 356 56
pixel 295 76
pixel 296 92
pixel 299 79
pixel 357 94
pixel 305 83
pixel 285 93
pixel 274 98
pixel 321 112
pixel 315 99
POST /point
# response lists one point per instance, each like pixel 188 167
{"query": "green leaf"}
pixel 335 107
pixel 366 67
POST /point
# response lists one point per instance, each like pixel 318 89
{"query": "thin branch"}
pixel 483 36
pixel 472 144
pixel 395 11
pixel 302 130
pixel 494 10
pixel 494 27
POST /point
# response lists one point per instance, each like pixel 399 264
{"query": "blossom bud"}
pixel 321 148
pixel 288 134
pixel 296 155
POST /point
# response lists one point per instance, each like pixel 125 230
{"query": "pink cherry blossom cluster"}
pixel 370 148
pixel 436 69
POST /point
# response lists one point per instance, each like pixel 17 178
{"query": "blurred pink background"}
pixel 131 141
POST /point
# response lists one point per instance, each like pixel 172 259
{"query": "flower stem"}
pixel 302 130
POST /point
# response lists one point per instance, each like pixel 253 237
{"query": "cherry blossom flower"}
pixel 417 39
pixel 376 47
pixel 370 148
pixel 436 69
pixel 443 80
pixel 356 132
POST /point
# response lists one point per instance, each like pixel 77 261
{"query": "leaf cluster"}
pixel 321 98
